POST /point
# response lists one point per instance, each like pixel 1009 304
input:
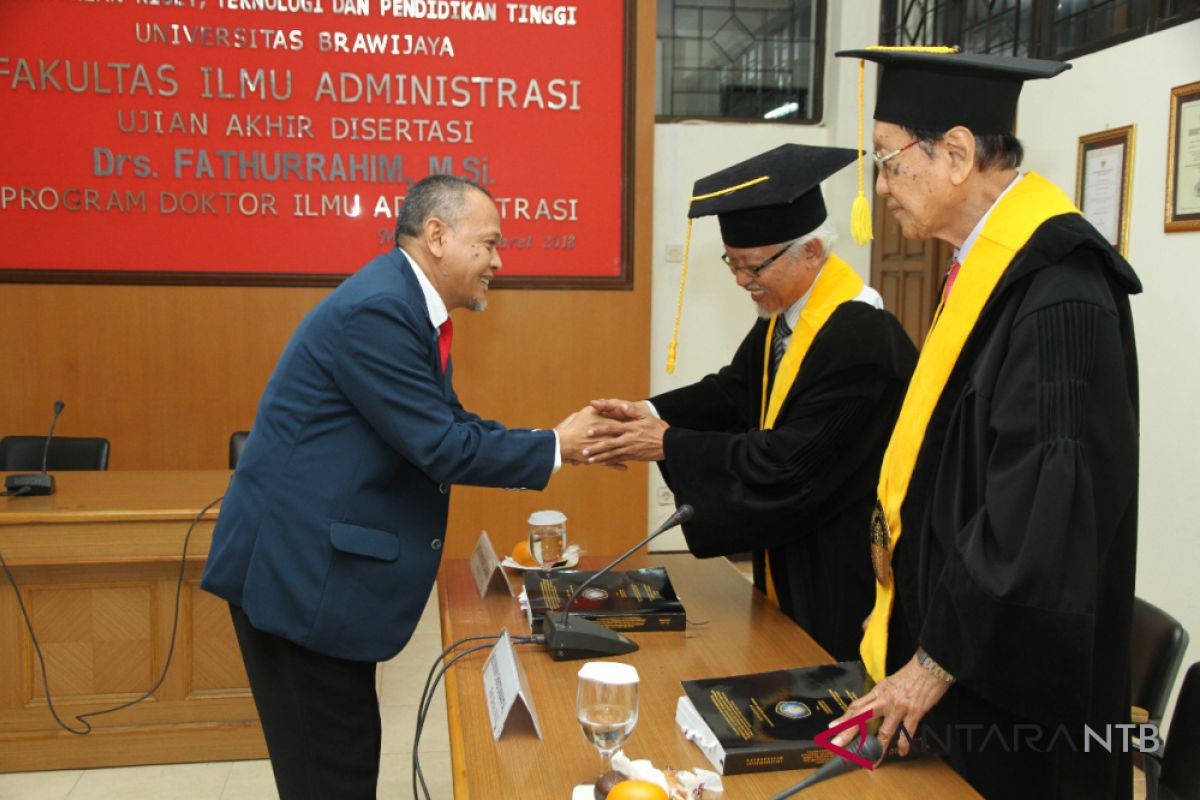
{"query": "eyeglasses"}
pixel 881 160
pixel 760 267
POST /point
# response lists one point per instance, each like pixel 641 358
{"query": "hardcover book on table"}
pixel 627 601
pixel 767 720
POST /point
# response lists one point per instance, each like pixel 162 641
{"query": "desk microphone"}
pixel 574 637
pixel 870 749
pixel 38 482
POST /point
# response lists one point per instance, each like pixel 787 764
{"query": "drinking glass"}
pixel 547 537
pixel 607 705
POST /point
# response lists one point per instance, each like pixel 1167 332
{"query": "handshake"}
pixel 611 432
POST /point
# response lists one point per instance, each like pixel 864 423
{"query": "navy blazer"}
pixel 331 532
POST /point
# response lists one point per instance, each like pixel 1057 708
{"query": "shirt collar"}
pixel 960 255
pixel 433 301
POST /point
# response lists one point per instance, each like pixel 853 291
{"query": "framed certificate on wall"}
pixel 1103 181
pixel 1183 160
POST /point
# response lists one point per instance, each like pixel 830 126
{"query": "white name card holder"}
pixel 486 569
pixel 506 690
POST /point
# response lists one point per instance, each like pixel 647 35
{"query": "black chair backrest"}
pixel 1181 759
pixel 237 443
pixel 21 453
pixel 1156 653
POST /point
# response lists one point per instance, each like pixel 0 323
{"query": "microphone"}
pixel 570 638
pixel 42 482
pixel 870 749
pixel 59 405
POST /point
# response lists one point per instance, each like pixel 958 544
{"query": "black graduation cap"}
pixel 770 198
pixel 938 88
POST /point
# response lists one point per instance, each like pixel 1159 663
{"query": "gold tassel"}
pixel 860 212
pixel 939 49
pixel 860 219
pixel 674 346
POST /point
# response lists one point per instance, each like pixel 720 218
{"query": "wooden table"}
pixel 731 630
pixel 97 564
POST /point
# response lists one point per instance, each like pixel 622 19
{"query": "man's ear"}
pixel 813 250
pixel 960 146
pixel 434 232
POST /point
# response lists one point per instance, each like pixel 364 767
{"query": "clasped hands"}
pixel 611 432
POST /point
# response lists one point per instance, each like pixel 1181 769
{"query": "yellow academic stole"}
pixel 1028 204
pixel 836 284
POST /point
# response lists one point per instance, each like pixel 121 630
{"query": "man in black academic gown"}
pixel 790 472
pixel 1005 537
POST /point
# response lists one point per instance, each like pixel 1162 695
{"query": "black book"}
pixel 632 600
pixel 767 721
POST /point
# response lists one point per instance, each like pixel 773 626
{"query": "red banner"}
pixel 275 139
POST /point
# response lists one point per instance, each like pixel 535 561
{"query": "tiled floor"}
pixel 400 682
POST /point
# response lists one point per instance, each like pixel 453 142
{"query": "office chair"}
pixel 237 443
pixel 1178 766
pixel 1155 655
pixel 24 453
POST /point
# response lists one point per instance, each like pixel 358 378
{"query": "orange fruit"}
pixel 637 790
pixel 521 554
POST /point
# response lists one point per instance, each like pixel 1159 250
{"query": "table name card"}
pixel 506 689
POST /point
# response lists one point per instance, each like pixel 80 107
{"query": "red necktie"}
pixel 445 334
pixel 950 280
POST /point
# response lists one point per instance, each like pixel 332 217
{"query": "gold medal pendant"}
pixel 881 539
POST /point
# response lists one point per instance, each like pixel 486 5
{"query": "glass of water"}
pixel 547 537
pixel 607 705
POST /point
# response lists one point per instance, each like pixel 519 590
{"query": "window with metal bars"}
pixel 1057 29
pixel 740 59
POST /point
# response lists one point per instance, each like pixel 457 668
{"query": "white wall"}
pixel 716 313
pixel 1127 84
pixel 1124 85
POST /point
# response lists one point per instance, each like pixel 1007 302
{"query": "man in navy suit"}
pixel 331 533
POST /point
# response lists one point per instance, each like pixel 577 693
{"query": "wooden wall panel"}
pixel 216 666
pixel 167 373
pixel 907 273
pixel 98 576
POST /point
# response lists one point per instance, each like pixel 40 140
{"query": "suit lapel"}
pixel 412 289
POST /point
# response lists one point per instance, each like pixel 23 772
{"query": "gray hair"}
pixel 442 196
pixel 992 150
pixel 826 233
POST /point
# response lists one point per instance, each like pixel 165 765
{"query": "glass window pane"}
pixel 738 58
pixel 687 23
pixel 1008 27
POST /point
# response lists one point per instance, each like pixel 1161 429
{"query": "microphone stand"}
pixel 869 748
pixel 573 637
pixel 38 482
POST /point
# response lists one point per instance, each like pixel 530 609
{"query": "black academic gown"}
pixel 1015 567
pixel 804 490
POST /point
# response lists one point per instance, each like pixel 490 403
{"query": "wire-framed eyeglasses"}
pixel 880 160
pixel 760 267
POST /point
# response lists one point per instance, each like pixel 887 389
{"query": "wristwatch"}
pixel 932 667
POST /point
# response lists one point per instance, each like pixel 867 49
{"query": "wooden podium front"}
pixel 97 564
pixel 731 630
